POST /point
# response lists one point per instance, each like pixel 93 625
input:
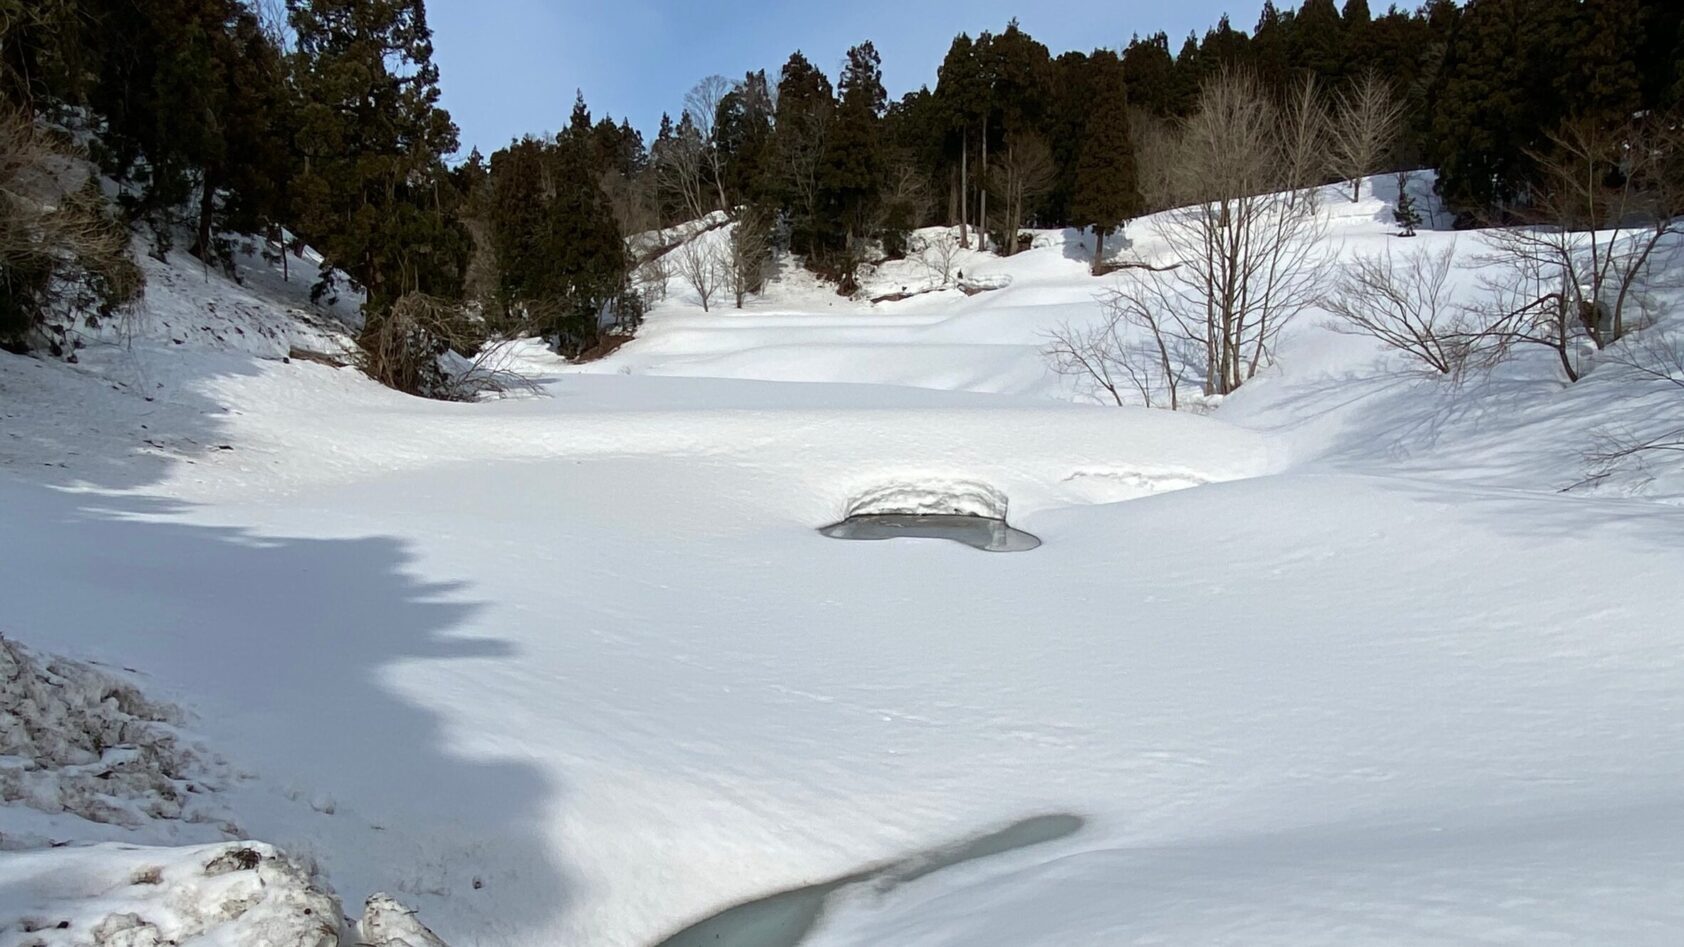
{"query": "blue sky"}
pixel 511 66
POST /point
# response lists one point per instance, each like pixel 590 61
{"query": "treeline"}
pixel 319 123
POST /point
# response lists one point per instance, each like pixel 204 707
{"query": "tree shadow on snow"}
pixel 287 648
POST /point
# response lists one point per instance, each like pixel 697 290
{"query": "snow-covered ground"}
pixel 1338 663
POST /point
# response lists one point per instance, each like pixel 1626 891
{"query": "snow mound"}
pixel 77 741
pixel 235 893
pixel 931 498
pixel 387 923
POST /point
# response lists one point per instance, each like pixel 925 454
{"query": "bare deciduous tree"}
pixel 1658 358
pixel 1603 234
pixel 1129 348
pixel 652 276
pixel 800 144
pixel 701 264
pixel 633 201
pixel 1250 252
pixel 681 166
pixel 701 103
pixel 1304 138
pixel 1410 308
pixel 751 250
pixel 940 255
pixel 1026 171
pixel 1365 130
pixel 1155 144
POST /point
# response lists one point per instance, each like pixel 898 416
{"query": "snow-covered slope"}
pixel 1336 664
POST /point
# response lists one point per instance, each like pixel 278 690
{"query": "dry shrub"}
pixel 61 255
pixel 402 347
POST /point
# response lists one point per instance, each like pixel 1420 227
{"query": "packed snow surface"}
pixel 1338 663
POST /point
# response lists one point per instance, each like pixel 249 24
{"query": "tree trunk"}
pixel 952 197
pixel 207 208
pixel 982 239
pixel 1098 247
pixel 965 192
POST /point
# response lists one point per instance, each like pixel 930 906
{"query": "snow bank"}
pixel 936 497
pixel 237 894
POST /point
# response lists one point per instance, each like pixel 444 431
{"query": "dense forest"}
pixel 226 125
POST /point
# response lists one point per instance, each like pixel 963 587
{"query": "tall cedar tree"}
pixel 1107 195
pixel 744 132
pixel 852 171
pixel 1223 47
pixel 560 256
pixel 804 118
pixel 1149 70
pixel 1603 77
pixel 1318 40
pixel 1271 46
pixel 1067 122
pixel 1488 117
pixel 194 113
pixel 1188 76
pixel 374 193
pixel 962 94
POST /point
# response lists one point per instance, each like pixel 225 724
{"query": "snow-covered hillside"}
pixel 1337 663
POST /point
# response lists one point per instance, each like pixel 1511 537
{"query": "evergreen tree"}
pixel 1318 40
pixel 1223 47
pixel 743 128
pixel 560 256
pixel 1358 39
pixel 1107 195
pixel 1067 122
pixel 50 53
pixel 1675 94
pixel 804 117
pixel 852 171
pixel 373 187
pixel 1020 72
pixel 1662 28
pixel 1405 213
pixel 1189 74
pixel 1488 117
pixel 1601 79
pixel 962 94
pixel 1271 46
pixel 579 120
pixel 1149 72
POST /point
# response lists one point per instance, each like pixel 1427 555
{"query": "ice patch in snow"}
pixel 979 532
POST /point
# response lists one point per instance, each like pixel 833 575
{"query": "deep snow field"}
pixel 1354 658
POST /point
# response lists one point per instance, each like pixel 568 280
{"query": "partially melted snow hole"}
pixel 969 513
